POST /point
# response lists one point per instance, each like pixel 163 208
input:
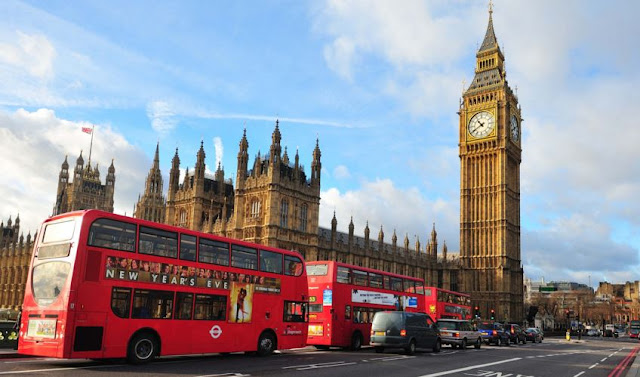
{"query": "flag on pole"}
pixel 87 130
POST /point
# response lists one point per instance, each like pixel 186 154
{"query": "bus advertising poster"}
pixel 241 297
pixel 381 298
pixel 173 274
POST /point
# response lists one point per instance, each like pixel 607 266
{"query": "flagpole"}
pixel 91 145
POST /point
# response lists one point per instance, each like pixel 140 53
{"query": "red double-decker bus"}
pixel 343 299
pixel 442 303
pixel 107 286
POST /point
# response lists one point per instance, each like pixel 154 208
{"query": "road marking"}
pixel 59 369
pixel 579 374
pixel 390 358
pixel 603 360
pixel 318 366
pixel 593 366
pixel 470 368
pixel 226 375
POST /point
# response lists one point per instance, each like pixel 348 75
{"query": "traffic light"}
pixel 493 314
pixel 477 312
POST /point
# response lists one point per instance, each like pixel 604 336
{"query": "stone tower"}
pixel 151 206
pixel 275 203
pixel 490 156
pixel 199 201
pixel 85 191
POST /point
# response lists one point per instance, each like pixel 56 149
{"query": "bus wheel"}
pixel 142 348
pixel 266 344
pixel 356 341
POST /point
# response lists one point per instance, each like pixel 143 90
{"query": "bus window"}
pixel 396 284
pixel 270 262
pixel 121 301
pixel 112 234
pixel 347 312
pixel 244 257
pixel 210 307
pixel 344 275
pixel 152 304
pixel 215 252
pixel 187 247
pixel 409 286
pixel 375 280
pixel 294 266
pixel 158 242
pixel 184 304
pixel 317 269
pixel 387 283
pixel 360 278
pixel 295 311
pixel 57 232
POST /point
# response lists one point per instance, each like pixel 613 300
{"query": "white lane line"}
pixel 58 369
pixel 593 366
pixel 320 365
pixel 603 360
pixel 612 354
pixel 470 368
pixel 30 361
pixel 226 375
pixel 579 374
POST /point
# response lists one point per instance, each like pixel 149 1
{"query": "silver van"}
pixel 404 330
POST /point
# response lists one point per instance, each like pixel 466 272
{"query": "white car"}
pixel 459 333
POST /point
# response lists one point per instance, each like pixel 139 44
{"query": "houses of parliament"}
pixel 275 202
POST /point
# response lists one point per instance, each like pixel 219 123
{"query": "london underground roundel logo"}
pixel 215 332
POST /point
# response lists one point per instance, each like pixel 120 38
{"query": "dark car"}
pixel 533 334
pixel 494 333
pixel 397 329
pixel 516 334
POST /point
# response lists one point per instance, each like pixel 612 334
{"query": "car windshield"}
pixel 448 325
pixel 485 326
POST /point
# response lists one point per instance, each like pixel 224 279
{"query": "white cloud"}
pixel 339 56
pixel 380 202
pixel 32 53
pixel 217 143
pixel 37 142
pixel 162 116
pixel 341 172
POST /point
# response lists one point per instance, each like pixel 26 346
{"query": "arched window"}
pixel 303 217
pixel 182 219
pixel 284 213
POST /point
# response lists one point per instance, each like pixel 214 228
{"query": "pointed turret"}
pixel 200 165
pixel 243 160
pixel 275 149
pixel 334 223
pixel 394 239
pixel 380 239
pixel 316 166
pixel 285 157
pixel 174 176
pixel 489 60
pixel 406 242
pixel 490 41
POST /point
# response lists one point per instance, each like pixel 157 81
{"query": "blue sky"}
pixel 376 82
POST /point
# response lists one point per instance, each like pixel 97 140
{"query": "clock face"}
pixel 515 130
pixel 481 124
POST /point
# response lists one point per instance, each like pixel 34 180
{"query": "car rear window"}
pixel 447 325
pixel 485 326
pixel 386 320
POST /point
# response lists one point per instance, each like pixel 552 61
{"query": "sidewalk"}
pixel 634 369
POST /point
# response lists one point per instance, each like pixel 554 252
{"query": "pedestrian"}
pixel 16 326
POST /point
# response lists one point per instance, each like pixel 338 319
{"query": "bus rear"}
pixel 47 310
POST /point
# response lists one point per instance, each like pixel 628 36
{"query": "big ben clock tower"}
pixel 490 155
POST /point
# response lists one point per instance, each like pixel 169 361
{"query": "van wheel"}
pixel 379 349
pixel 463 345
pixel 356 341
pixel 411 348
pixel 142 348
pixel 266 344
pixel 438 346
pixel 478 344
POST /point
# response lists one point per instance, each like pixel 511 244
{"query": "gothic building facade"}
pixel 85 190
pixel 490 155
pixel 152 204
pixel 15 255
pixel 275 203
